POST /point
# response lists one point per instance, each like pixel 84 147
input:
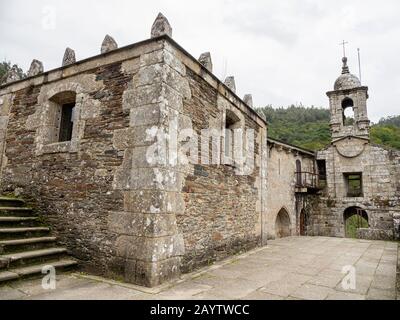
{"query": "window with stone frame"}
pixel 232 122
pixel 354 187
pixel 62 106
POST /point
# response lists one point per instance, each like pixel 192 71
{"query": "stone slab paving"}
pixel 292 268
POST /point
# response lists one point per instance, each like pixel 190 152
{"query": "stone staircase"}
pixel 25 245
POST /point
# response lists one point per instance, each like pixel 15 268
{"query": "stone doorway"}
pixel 354 219
pixel 282 224
pixel 302 223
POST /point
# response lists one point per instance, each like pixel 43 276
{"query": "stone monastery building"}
pixel 143 165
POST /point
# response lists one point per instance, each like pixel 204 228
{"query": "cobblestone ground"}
pixel 290 268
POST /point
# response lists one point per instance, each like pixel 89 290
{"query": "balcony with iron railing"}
pixel 309 182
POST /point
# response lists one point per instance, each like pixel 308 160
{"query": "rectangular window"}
pixel 66 122
pixel 321 173
pixel 354 184
pixel 321 167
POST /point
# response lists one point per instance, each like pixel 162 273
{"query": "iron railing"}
pixel 310 180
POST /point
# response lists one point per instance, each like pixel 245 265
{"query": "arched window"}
pixel 348 112
pixel 63 106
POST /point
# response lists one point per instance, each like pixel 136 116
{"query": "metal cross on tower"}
pixel 344 47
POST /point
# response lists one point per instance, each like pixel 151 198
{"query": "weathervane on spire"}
pixel 344 47
pixel 345 68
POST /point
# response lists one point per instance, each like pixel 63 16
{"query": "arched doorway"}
pixel 282 224
pixel 354 218
pixel 303 223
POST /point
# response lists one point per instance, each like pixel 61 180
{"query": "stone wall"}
pixel 222 215
pixel 76 185
pixel 281 185
pixel 381 189
pixel 115 197
pixel 71 188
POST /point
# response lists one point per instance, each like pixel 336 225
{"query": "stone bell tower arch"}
pixel 348 93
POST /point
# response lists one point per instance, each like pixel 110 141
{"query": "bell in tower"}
pixel 348 98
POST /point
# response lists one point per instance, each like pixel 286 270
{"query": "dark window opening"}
pixel 348 112
pixel 63 104
pixel 232 122
pixel 321 164
pixel 354 184
pixel 299 179
pixel 66 122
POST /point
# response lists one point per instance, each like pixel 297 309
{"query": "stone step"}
pixel 11 202
pixel 14 222
pixel 32 254
pixel 7 276
pixel 15 233
pixel 23 230
pixel 29 257
pixel 9 246
pixel 17 219
pixel 25 245
pixel 16 211
pixel 17 242
pixel 17 273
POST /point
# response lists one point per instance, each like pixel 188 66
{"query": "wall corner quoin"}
pixel 152 189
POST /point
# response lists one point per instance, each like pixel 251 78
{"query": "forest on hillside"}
pixel 309 127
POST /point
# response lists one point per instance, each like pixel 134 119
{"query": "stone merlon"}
pixel 35 68
pixel 205 60
pixel 161 26
pixel 248 99
pixel 109 44
pixel 230 83
pixel 69 57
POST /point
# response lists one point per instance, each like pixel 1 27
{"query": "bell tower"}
pixel 348 95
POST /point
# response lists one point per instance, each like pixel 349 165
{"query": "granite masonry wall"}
pixel 223 213
pixel 381 189
pixel 122 213
pixel 281 185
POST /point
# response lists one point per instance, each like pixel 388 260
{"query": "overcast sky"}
pixel 283 52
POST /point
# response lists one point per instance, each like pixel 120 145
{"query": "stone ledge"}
pixel 375 234
pixel 59 147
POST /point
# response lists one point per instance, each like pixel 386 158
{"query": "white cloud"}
pixel 283 52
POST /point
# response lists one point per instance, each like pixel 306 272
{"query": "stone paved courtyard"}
pixel 290 268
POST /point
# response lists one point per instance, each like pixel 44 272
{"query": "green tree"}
pixel 393 120
pixel 5 66
pixel 386 135
pixel 309 127
pixel 298 125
